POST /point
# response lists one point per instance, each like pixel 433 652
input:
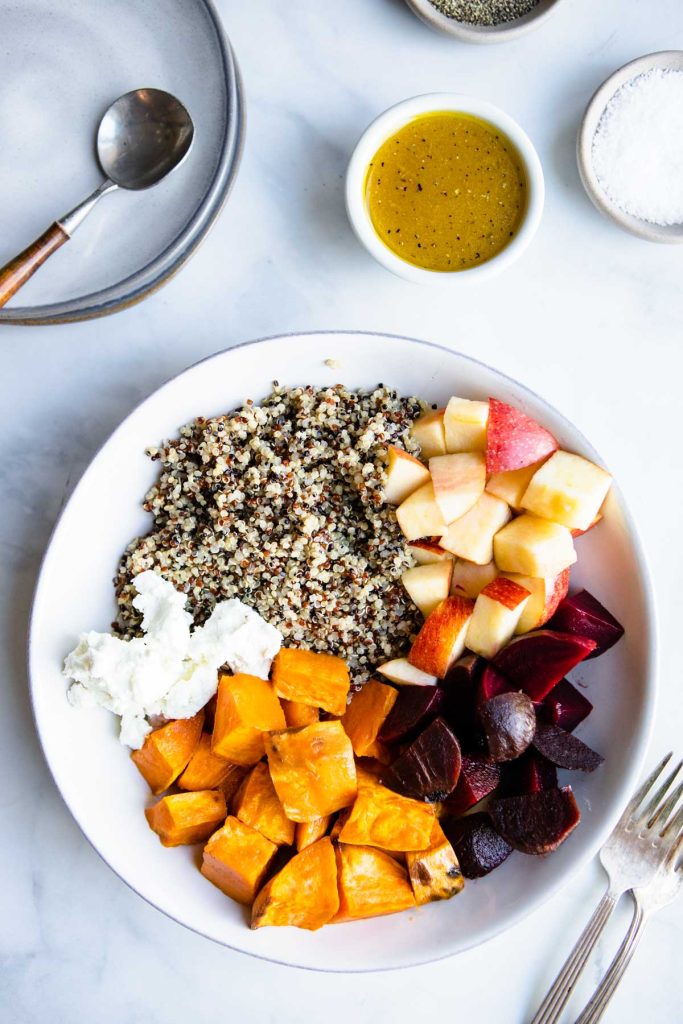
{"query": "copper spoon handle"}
pixel 17 272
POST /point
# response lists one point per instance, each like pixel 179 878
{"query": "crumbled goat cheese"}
pixel 170 671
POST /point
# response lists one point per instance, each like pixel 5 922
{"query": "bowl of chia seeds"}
pixel 484 21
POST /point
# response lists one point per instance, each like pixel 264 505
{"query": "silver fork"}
pixel 662 890
pixel 631 857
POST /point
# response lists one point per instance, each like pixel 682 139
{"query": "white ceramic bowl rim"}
pixel 628 780
pixel 484 33
pixel 398 116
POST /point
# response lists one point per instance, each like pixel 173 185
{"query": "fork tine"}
pixel 674 827
pixel 666 809
pixel 653 805
pixel 638 797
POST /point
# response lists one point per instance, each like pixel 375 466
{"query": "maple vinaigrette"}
pixel 447 191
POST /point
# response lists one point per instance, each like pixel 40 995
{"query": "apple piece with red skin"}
pixel 441 640
pixel 419 515
pixel 400 672
pixel 497 611
pixel 478 779
pixel 536 823
pixel 546 593
pixel 478 847
pixel 583 615
pixel 429 433
pixel 404 474
pixel 428 585
pixel 509 722
pixel 537 661
pixel 414 708
pixel 469 579
pixel 429 768
pixel 514 440
pixel 566 706
pixel 565 750
pixel 427 551
pixel 579 533
pixel 459 482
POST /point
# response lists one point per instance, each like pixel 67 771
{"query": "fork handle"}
pixel 594 1010
pixel 563 986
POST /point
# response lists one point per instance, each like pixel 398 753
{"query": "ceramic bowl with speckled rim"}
pixel 668 233
pixel 502 33
pixel 64 65
pixel 107 795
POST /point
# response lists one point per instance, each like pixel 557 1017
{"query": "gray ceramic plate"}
pixel 672 233
pixel 63 63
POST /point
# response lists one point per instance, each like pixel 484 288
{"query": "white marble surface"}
pixel 590 317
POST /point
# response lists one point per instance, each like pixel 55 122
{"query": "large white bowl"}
pixel 105 792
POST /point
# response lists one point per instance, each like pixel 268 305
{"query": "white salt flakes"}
pixel 638 147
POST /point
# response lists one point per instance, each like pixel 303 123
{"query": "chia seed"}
pixel 281 505
pixel 484 12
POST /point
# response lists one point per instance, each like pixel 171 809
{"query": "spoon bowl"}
pixel 143 136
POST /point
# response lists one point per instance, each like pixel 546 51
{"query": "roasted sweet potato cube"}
pixel 385 819
pixel 167 750
pixel 205 770
pixel 313 770
pixel 435 872
pixel 309 832
pixel 185 818
pixel 342 818
pixel 257 804
pixel 298 715
pixel 304 893
pixel 236 859
pixel 321 680
pixel 366 714
pixel 371 883
pixel 246 708
pixel 230 786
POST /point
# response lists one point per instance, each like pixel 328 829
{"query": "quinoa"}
pixel 281 505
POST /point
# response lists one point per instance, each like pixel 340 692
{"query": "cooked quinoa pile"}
pixel 280 504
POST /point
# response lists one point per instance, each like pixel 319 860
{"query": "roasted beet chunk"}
pixel 565 706
pixel 460 687
pixel 491 684
pixel 565 750
pixel 509 722
pixel 538 822
pixel 478 779
pixel 584 615
pixel 478 847
pixel 537 661
pixel 415 707
pixel 530 773
pixel 429 768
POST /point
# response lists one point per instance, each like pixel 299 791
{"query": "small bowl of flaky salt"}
pixel 630 147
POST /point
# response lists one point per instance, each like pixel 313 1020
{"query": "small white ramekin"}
pixel 393 119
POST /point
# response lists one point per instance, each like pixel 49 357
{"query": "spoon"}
pixel 141 138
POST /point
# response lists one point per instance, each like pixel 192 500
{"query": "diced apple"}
pixel 402 673
pixel 419 515
pixel 429 433
pixel 496 613
pixel 567 489
pixel 441 640
pixel 471 536
pixel 428 585
pixel 546 594
pixel 427 551
pixel 580 533
pixel 533 547
pixel 465 425
pixel 405 474
pixel 511 486
pixel 469 579
pixel 459 482
pixel 514 439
